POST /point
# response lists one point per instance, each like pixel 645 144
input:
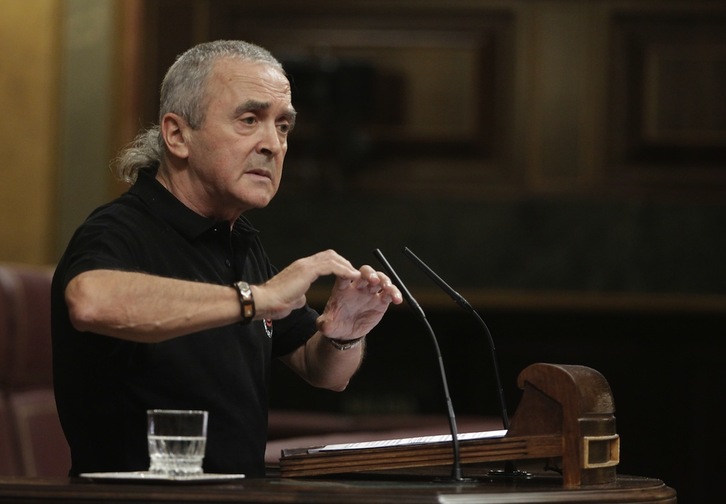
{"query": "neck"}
pixel 185 194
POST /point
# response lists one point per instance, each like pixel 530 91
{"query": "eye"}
pixel 249 119
pixel 286 123
pixel 284 127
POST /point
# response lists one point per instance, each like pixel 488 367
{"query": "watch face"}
pixel 246 300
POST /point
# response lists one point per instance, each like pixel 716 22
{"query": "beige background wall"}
pixel 30 66
pixel 56 73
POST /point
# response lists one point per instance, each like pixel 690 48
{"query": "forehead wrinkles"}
pixel 250 81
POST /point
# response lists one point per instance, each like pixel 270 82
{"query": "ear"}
pixel 173 131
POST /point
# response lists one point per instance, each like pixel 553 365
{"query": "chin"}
pixel 258 202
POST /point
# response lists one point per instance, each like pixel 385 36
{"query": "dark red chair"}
pixel 28 417
pixel 42 447
pixel 31 363
pixel 9 457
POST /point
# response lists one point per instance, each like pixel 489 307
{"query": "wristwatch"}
pixel 246 301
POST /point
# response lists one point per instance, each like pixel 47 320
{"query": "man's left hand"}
pixel 355 307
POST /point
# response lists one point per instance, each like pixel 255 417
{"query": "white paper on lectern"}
pixel 410 441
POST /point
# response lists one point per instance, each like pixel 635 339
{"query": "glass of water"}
pixel 177 440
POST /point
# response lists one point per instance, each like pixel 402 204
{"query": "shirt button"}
pixel 228 263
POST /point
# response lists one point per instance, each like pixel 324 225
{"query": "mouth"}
pixel 260 173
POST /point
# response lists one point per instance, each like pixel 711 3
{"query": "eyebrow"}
pixel 252 105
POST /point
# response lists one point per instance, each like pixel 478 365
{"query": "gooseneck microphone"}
pixel 456 473
pixel 459 299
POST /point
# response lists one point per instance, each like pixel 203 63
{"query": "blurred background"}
pixel 561 163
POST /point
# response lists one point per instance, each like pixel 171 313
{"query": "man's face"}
pixel 237 153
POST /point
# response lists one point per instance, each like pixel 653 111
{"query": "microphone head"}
pixel 458 298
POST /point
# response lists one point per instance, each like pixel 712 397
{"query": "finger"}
pixel 391 290
pixel 300 302
pixel 369 278
pixel 342 283
pixel 369 284
pixel 385 280
pixel 366 271
pixel 340 266
pixel 385 298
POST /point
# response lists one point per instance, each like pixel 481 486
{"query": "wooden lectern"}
pixel 566 413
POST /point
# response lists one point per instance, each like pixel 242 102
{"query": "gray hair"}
pixel 183 92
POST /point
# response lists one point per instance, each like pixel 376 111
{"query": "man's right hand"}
pixel 285 292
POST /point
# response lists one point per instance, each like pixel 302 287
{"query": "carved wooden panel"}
pixel 404 101
pixel 668 108
pixel 683 91
pixel 482 98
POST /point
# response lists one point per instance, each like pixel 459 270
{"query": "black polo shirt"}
pixel 104 385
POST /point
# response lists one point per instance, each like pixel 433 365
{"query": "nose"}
pixel 270 144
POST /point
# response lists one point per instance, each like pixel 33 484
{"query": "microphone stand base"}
pixel 509 475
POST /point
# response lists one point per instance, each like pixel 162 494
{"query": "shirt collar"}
pixel 180 217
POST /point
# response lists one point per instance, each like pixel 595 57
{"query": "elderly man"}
pixel 165 297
